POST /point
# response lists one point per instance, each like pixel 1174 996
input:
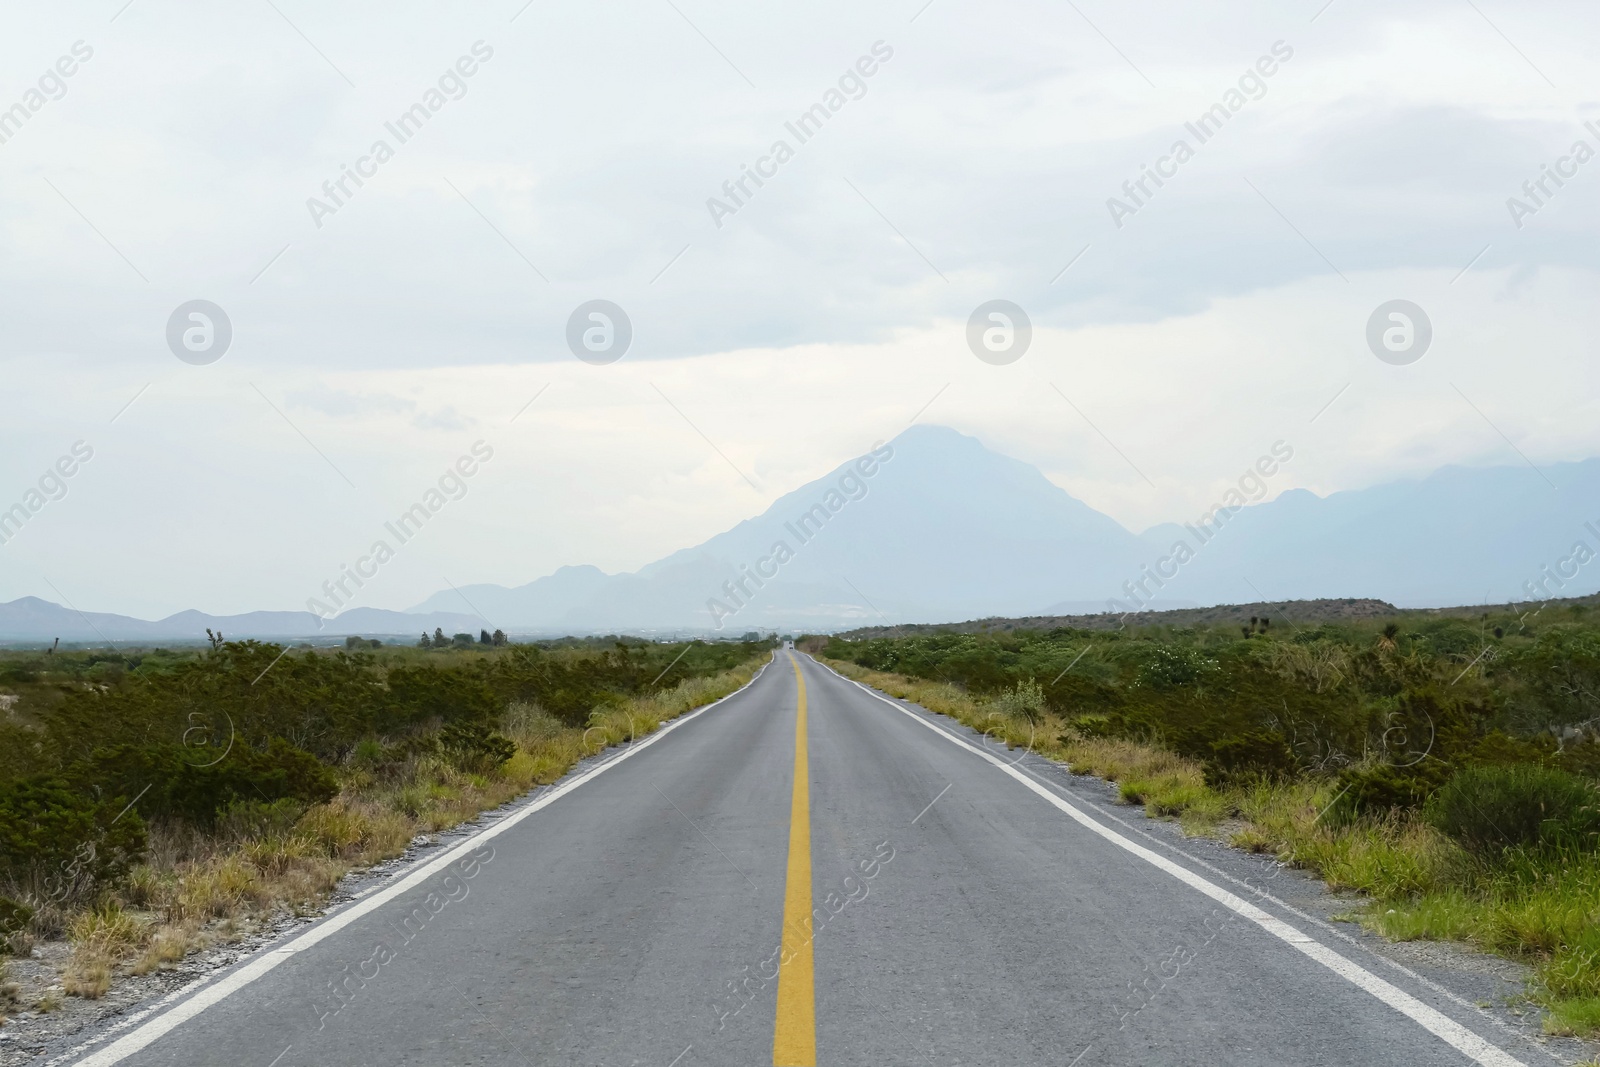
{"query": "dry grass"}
pixel 1166 783
pixel 168 944
pixel 100 938
pixel 88 975
pixel 9 992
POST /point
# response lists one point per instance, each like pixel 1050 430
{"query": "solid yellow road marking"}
pixel 794 1038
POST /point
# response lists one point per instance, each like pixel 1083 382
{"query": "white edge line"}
pixel 267 960
pixel 1430 1019
pixel 1326 927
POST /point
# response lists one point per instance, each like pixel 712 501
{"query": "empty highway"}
pixel 808 873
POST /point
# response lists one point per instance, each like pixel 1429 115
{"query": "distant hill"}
pixel 1283 614
pixel 32 619
pixel 1289 612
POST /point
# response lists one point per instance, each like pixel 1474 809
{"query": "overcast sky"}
pixel 377 335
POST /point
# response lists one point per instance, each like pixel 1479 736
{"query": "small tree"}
pixel 484 638
pixel 439 639
pixel 499 638
pixel 426 642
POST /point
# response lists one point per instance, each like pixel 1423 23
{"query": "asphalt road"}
pixel 908 898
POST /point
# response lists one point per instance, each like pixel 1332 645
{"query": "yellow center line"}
pixel 794 1037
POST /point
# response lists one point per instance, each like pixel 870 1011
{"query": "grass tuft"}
pixel 100 939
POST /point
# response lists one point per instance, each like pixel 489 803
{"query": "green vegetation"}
pixel 155 802
pixel 1445 766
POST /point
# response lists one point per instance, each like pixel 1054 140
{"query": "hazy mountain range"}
pixel 32 619
pixel 935 526
pixel 947 529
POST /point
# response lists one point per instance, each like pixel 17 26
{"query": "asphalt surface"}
pixel 957 917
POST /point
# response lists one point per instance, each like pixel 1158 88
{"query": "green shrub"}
pixel 1090 726
pixel 367 753
pixel 172 787
pixel 1491 809
pixel 14 917
pixel 62 844
pixel 1381 788
pixel 1025 700
pixel 412 747
pixel 473 747
pixel 1250 756
pixel 20 751
pixel 244 820
pixel 422 694
pixel 1166 666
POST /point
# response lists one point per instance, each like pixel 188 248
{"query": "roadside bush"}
pixel 473 747
pixel 411 747
pixel 20 751
pixel 443 694
pixel 61 845
pixel 174 788
pixel 1250 756
pixel 14 917
pixel 1166 666
pixel 1089 726
pixel 245 820
pixel 367 753
pixel 1490 809
pixel 530 724
pixel 1382 788
pixel 1025 700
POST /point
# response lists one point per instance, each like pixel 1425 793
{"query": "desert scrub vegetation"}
pixel 1444 766
pixel 155 803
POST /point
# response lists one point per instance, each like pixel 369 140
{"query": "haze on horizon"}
pixel 389 334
